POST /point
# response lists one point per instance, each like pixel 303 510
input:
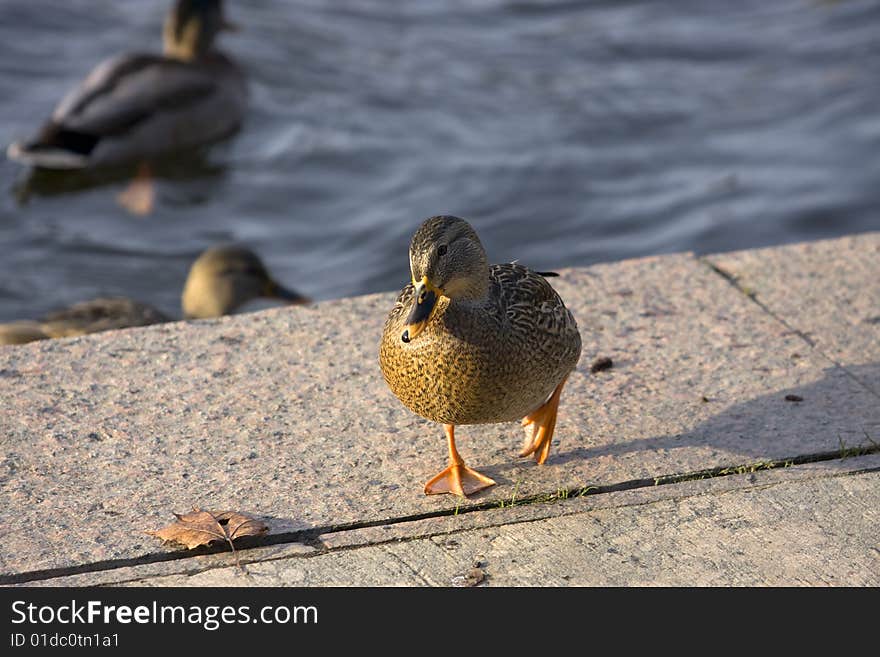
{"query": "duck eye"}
pixel 441 250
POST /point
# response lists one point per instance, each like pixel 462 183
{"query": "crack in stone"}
pixel 732 280
pixel 401 560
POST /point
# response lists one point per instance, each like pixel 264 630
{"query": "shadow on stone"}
pixel 837 412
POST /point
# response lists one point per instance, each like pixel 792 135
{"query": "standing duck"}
pixel 134 107
pixel 470 343
pixel 221 280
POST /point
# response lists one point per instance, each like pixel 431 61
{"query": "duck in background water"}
pixel 220 281
pixel 135 107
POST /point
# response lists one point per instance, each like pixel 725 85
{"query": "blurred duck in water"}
pixel 137 106
pixel 220 281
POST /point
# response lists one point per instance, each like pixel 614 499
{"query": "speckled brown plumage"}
pixel 495 357
pixel 100 315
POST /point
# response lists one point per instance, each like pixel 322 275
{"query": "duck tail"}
pixel 46 157
pixel 54 148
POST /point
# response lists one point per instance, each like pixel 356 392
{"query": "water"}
pixel 569 133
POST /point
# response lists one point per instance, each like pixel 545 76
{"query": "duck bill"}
pixel 275 291
pixel 424 302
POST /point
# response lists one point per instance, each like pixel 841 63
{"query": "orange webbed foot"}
pixel 457 479
pixel 540 426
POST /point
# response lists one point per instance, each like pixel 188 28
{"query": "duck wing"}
pixel 529 305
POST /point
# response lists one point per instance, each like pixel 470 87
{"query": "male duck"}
pixel 137 106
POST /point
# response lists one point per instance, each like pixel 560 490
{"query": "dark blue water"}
pixel 568 132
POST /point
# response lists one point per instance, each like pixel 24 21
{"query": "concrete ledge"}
pixel 284 414
pixel 763 528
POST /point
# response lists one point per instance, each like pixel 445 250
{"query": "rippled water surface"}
pixel 568 132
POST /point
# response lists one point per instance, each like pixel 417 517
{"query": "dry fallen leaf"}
pixel 203 527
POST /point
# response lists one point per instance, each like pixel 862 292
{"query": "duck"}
pixel 134 107
pixel 472 343
pixel 220 281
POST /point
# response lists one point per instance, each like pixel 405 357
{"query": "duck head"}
pixel 225 278
pixel 446 259
pixel 191 27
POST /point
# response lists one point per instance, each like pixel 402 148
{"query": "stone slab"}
pixel 789 535
pixel 284 414
pixel 828 289
pixel 369 556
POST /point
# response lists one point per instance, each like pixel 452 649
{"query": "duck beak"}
pixel 274 290
pixel 426 297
